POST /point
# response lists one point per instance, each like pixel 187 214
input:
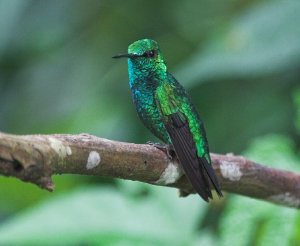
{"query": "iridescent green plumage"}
pixel 166 110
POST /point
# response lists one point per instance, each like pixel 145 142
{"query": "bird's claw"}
pixel 166 148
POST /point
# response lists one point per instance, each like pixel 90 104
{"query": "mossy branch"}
pixel 35 158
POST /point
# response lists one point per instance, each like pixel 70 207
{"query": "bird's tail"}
pixel 211 175
pixel 196 169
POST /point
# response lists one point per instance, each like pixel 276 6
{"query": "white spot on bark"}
pixel 285 199
pixel 61 149
pixel 69 151
pixel 171 174
pixel 93 160
pixel 231 171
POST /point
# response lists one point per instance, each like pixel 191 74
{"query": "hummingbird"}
pixel 166 109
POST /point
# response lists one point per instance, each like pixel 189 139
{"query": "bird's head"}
pixel 144 55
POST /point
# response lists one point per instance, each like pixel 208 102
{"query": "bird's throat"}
pixel 146 75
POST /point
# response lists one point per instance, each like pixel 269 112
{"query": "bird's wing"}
pixel 197 169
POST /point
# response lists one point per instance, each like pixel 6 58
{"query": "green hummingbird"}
pixel 166 109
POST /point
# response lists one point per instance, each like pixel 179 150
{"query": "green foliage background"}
pixel 239 59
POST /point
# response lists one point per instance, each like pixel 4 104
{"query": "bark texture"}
pixel 35 158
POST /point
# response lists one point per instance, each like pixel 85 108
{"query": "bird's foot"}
pixel 166 148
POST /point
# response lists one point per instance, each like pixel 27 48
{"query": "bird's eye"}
pixel 149 54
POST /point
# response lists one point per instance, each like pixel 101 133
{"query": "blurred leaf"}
pixel 10 13
pixel 18 195
pixel 236 112
pixel 252 222
pixel 92 216
pixel 206 238
pixel 261 41
pixel 296 97
pixel 275 150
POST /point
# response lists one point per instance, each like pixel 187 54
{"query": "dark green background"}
pixel 240 60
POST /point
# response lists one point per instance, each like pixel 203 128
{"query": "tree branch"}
pixel 35 158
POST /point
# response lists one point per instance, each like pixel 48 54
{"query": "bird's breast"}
pixel 148 112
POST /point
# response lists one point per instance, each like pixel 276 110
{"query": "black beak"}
pixel 126 56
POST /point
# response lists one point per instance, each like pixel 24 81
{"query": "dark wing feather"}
pixel 196 169
pixel 211 174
